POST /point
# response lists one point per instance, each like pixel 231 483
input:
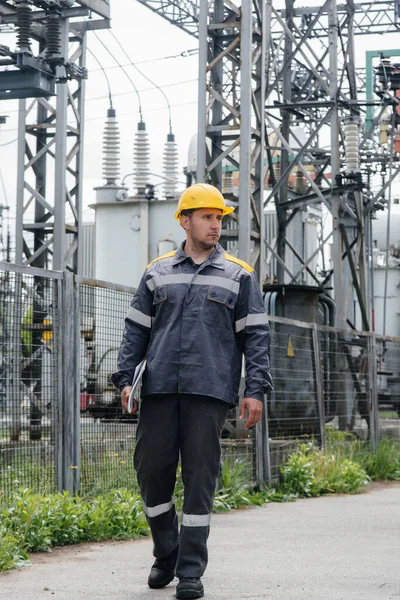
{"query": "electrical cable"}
pixel 115 95
pixel 4 187
pixel 10 142
pixel 127 75
pixel 104 73
pixel 2 181
pixel 142 91
pixel 183 54
pixel 145 76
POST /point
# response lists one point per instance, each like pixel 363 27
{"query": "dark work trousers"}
pixel 190 425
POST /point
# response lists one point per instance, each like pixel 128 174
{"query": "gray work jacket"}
pixel 193 323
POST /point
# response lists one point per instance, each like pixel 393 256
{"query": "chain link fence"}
pixel 61 422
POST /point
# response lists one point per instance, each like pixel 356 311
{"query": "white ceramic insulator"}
pixel 352 142
pixel 227 182
pixel 141 158
pixel 170 167
pixel 300 182
pixel 111 150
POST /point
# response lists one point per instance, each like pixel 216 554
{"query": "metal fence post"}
pixel 265 444
pixel 258 441
pixel 69 421
pixel 15 339
pixel 318 384
pixel 373 391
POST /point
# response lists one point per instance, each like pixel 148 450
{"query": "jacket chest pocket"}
pixel 220 295
pixel 218 310
pixel 160 294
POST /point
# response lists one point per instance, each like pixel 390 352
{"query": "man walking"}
pixel 196 312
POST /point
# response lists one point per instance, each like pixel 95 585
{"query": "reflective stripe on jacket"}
pixel 193 323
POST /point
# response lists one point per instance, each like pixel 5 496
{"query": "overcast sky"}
pixel 148 39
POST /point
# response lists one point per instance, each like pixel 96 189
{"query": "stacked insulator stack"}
pixel 24 25
pixel 277 169
pixel 227 182
pixel 53 36
pixel 170 166
pixel 384 128
pixel 300 185
pixel 141 159
pixel 111 154
pixel 352 144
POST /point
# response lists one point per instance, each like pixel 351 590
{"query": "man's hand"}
pixel 125 397
pixel 254 411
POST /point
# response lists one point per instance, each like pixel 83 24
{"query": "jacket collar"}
pixel 216 259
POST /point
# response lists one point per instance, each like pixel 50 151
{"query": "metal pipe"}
pixel 273 303
pixel 330 303
pixel 202 93
pixel 59 245
pixel 388 226
pixel 246 31
pixel 266 302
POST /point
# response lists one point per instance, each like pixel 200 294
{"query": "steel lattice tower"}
pixel 51 91
pixel 266 69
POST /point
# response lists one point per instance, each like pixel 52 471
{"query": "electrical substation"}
pixel 298 126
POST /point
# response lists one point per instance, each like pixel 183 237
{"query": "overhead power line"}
pixel 126 74
pixel 105 75
pixel 183 54
pixel 145 76
pixel 115 95
pixel 11 141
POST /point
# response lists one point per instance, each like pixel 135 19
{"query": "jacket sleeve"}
pixel 252 325
pixel 136 336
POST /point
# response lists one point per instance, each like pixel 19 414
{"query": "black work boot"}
pixel 163 570
pixel 189 587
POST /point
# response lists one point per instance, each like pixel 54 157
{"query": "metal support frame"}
pixel 372 381
pixel 231 99
pixel 67 339
pixel 50 141
pixel 370 17
pixel 319 384
pixel 311 81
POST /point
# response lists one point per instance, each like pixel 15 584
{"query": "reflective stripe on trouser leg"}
pixel 201 421
pixel 156 461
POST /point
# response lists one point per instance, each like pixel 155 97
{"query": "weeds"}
pixel 37 522
pixel 310 472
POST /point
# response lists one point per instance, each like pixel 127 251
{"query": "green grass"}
pixel 384 464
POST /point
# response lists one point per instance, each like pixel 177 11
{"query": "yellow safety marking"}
pixel 290 351
pixel 239 262
pixel 47 335
pixel 161 257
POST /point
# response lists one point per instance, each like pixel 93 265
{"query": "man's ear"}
pixel 184 222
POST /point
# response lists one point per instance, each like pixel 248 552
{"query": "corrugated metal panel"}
pixel 88 250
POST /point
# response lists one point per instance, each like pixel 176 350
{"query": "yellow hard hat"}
pixel 202 195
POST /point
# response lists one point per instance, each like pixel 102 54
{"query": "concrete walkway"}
pixel 329 548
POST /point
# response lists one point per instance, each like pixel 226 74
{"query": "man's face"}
pixel 203 227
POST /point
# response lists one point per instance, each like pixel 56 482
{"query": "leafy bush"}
pixel 233 492
pixel 11 553
pixel 385 463
pixel 309 472
pixel 36 523
pixel 298 474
